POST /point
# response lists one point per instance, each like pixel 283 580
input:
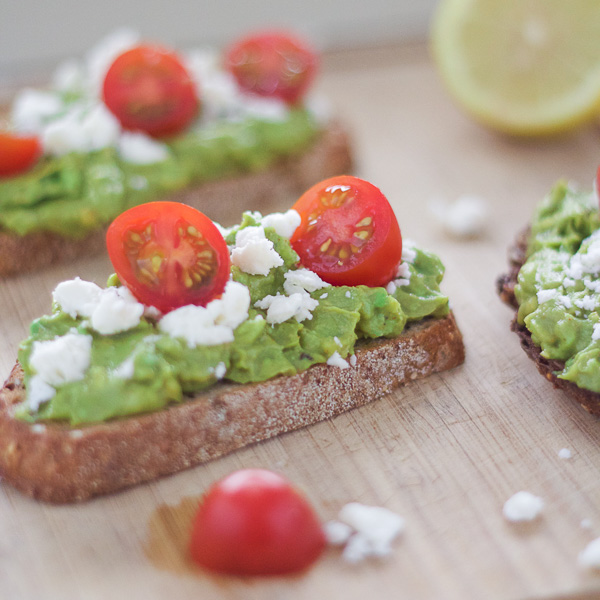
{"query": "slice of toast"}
pixel 222 200
pixel 505 285
pixel 56 463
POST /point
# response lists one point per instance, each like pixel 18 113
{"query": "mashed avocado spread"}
pixel 76 374
pixel 558 287
pixel 77 193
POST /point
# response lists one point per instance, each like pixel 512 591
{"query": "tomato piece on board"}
pixel 18 153
pixel 273 64
pixel 148 89
pixel 169 255
pixel 349 234
pixel 253 522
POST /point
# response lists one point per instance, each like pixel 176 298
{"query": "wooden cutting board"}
pixel 445 453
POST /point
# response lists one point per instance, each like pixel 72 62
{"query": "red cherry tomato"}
pixel 348 234
pixel 18 153
pixel 148 89
pixel 253 522
pixel 272 64
pixel 169 255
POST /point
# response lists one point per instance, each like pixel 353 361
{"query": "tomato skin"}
pixel 148 89
pixel 348 234
pixel 253 522
pixel 18 153
pixel 154 250
pixel 273 64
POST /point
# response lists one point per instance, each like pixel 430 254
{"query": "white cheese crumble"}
pixel 303 280
pixel 77 297
pixel 253 252
pixel 140 149
pixel 522 506
pixel 210 325
pixel 126 369
pixel 589 557
pixel 38 392
pixel 335 360
pixel 280 308
pixel 463 218
pixel 565 453
pixel 546 295
pixel 220 370
pixel 116 311
pixel 352 360
pixel 284 224
pixel 409 254
pixel 33 108
pixel 62 359
pixel 366 530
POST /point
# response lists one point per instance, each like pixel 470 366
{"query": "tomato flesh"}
pixel 272 64
pixel 148 89
pixel 253 522
pixel 18 153
pixel 169 255
pixel 348 233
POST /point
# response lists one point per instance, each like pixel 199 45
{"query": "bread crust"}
pixel 56 463
pixel 222 200
pixel 505 285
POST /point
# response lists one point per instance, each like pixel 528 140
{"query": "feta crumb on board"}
pixel 366 531
pixel 522 506
pixel 589 557
pixel 565 453
pixel 280 308
pixel 284 224
pixel 335 360
pixel 462 218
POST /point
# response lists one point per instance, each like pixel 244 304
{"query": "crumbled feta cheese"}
pixel 38 392
pixel 266 109
pixel 100 128
pixel 390 288
pixel 220 370
pixel 546 295
pixel 348 294
pixel 335 360
pixel 564 453
pixel 372 529
pixel 126 369
pixel 337 533
pixel 32 109
pixel 589 557
pixel 302 280
pixel 323 296
pixel 409 254
pixel 522 506
pixel 254 253
pixel 69 76
pixel 336 339
pixel 352 360
pixel 140 149
pixel 62 359
pixel 586 303
pixel 403 271
pixel 210 325
pixel 280 308
pixel 465 217
pixel 116 311
pixel 284 223
pixel 77 297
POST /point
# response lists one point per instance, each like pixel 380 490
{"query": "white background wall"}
pixel 36 34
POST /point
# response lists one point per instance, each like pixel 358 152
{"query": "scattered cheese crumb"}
pixel 220 370
pixel 253 252
pixel 352 360
pixel 409 254
pixel 335 360
pixel 140 149
pixel 366 530
pixel 564 453
pixel 465 217
pixel 302 280
pixel 117 311
pixel 522 506
pixel 77 297
pixel 589 557
pixel 285 224
pixel 586 524
pixel 280 308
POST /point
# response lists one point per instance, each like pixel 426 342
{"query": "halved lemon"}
pixel 524 67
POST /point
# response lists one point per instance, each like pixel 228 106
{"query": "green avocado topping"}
pixel 144 369
pixel 558 289
pixel 78 193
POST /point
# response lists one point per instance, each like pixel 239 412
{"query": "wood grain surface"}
pixel 445 453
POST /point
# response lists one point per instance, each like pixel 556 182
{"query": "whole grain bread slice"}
pixel 222 200
pixel 505 285
pixel 56 463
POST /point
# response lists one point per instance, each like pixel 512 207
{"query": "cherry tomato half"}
pixel 18 153
pixel 148 89
pixel 253 522
pixel 273 64
pixel 349 234
pixel 169 255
